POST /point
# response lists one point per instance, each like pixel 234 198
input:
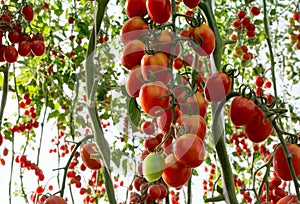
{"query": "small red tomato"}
pixel 191 3
pixel 86 152
pixel 255 11
pixel 241 110
pixel 28 12
pixel 10 54
pixel 38 47
pixel 159 10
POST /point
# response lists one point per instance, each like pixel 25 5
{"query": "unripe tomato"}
pixel 132 54
pixel 217 86
pixel 280 162
pixel 191 3
pixel 133 28
pixel 241 110
pixel 154 98
pixel 86 152
pixel 205 37
pixel 151 64
pixel 191 124
pixel 175 173
pixel 135 8
pixel 159 10
pixel 290 199
pixel 189 150
pixel 258 128
pixel 153 167
pixel 55 200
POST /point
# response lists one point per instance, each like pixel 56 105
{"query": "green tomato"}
pixel 153 167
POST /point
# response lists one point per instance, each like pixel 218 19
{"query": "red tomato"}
pixel 133 28
pixel 14 37
pixel 2 47
pixel 191 124
pixel 135 8
pixel 189 150
pixel 217 86
pixel 38 47
pixel 159 10
pixel 202 103
pixel 10 54
pixel 28 12
pixel 241 110
pixel 164 121
pixel 290 199
pixel 162 40
pixel 258 128
pixel 86 151
pixel 147 127
pixel 191 3
pixel 154 98
pixel 133 53
pixel 175 173
pixel 154 191
pixel 55 200
pixel 151 64
pixel 280 163
pixel 205 37
pixel 167 145
pixel 134 81
pixel 24 48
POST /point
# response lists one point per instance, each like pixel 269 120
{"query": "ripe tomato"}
pixel 133 28
pixel 167 145
pixel 135 8
pixel 2 47
pixel 164 121
pixel 151 64
pixel 134 81
pixel 10 54
pixel 150 143
pixel 86 152
pixel 38 47
pixel 241 110
pixel 14 37
pixel 133 53
pixel 153 167
pixel 280 163
pixel 28 12
pixel 147 127
pixel 217 86
pixel 159 10
pixel 154 191
pixel 189 150
pixel 191 124
pixel 290 199
pixel 205 37
pixel 24 48
pixel 191 3
pixel 154 98
pixel 55 200
pixel 258 128
pixel 175 173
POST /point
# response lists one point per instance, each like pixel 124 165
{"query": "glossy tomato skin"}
pixel 191 124
pixel 153 167
pixel 205 37
pixel 150 64
pixel 132 54
pixel 28 12
pixel 134 81
pixel 189 150
pixel 241 109
pixel 10 54
pixel 280 163
pixel 175 173
pixel 163 39
pixel 290 199
pixel 217 87
pixel 133 28
pixel 86 151
pixel 164 121
pixel 154 98
pixel 38 47
pixel 258 128
pixel 191 3
pixel 135 8
pixel 55 200
pixel 159 10
pixel 24 48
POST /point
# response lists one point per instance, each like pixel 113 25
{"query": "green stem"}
pixel 4 92
pixel 267 32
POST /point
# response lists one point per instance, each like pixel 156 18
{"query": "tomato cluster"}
pixel 294 32
pixel 12 30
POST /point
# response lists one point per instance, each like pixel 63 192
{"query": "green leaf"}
pixel 134 113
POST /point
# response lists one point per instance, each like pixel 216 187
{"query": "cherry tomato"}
pixel 24 48
pixel 290 199
pixel 175 173
pixel 258 128
pixel 241 110
pixel 133 28
pixel 10 54
pixel 164 121
pixel 132 54
pixel 28 12
pixel 159 10
pixel 55 200
pixel 134 81
pixel 191 3
pixel 189 150
pixel 153 167
pixel 38 47
pixel 86 152
pixel 153 65
pixel 154 191
pixel 147 127
pixel 154 98
pixel 217 86
pixel 280 163
pixel 135 8
pixel 205 37
pixel 191 124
